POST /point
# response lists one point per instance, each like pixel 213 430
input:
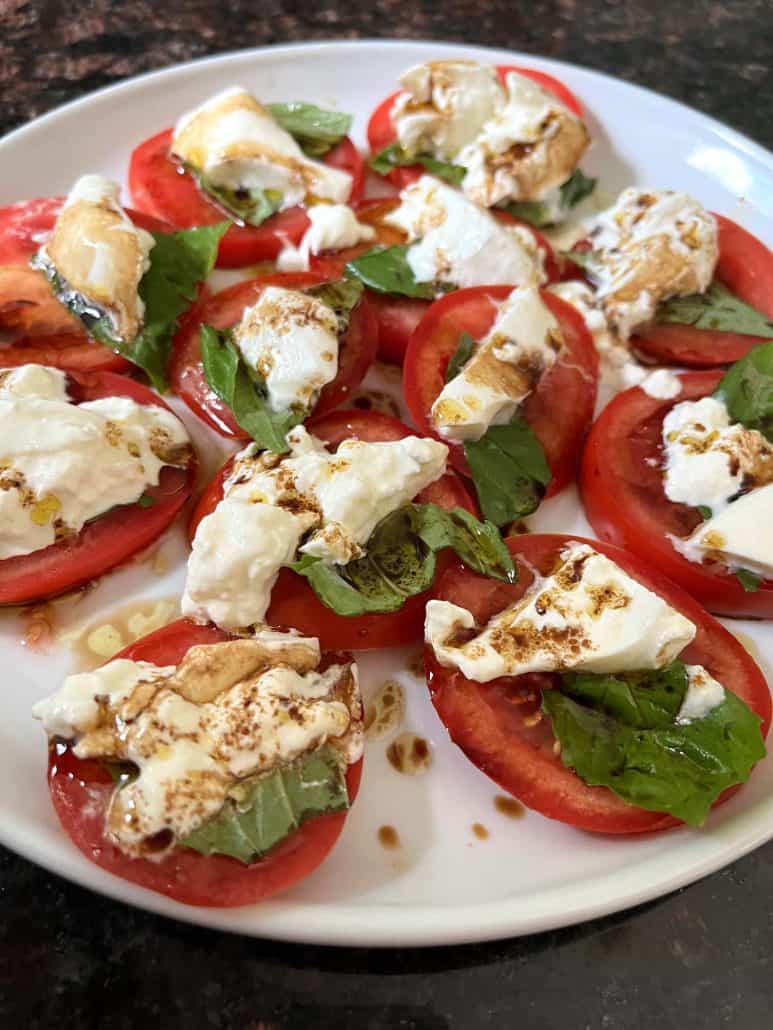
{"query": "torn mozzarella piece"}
pixel 526 151
pixel 195 731
pixel 740 535
pixel 587 615
pixel 456 242
pixel 233 141
pixel 704 694
pixel 649 246
pixel 63 464
pixel 662 385
pixel 333 227
pixel 522 344
pixel 444 105
pixel 99 255
pixel 291 339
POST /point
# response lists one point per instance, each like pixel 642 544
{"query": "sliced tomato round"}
pixel 499 725
pixel 81 791
pixel 357 348
pixel 560 409
pixel 293 603
pixel 745 267
pixel 622 490
pixel 112 538
pixel 162 187
pixel 381 131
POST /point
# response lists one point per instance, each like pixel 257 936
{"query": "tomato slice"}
pixel 499 725
pixel 293 603
pixel 381 131
pixel 42 330
pixel 112 538
pixel 357 348
pixel 622 490
pixel 560 410
pixel 81 791
pixel 745 266
pixel 160 186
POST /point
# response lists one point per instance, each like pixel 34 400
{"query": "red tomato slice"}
pixel 381 131
pixel 222 310
pixel 746 267
pixel 293 603
pixel 559 411
pixel 110 539
pixel 81 791
pixel 622 490
pixel 499 727
pixel 160 186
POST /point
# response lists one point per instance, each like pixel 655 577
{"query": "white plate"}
pixel 443 885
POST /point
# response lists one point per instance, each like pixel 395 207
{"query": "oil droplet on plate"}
pixel 410 754
pixel 96 642
pixel 480 831
pixel 748 645
pixel 385 710
pixel 388 837
pixel 510 807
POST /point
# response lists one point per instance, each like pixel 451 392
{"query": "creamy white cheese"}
pixel 704 694
pixel 100 254
pixel 194 731
pixel 460 243
pixel 63 464
pixel 236 144
pixel 662 384
pixel 333 227
pixel 269 506
pixel 521 345
pixel 291 339
pixel 649 246
pixel 740 535
pixel 444 105
pixel 588 615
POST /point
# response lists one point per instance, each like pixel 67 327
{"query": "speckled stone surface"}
pixel 699 959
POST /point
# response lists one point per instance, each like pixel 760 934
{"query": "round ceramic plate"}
pixel 444 883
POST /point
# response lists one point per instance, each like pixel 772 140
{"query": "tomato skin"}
pixel 625 502
pixel 222 310
pixel 573 378
pixel 158 185
pixel 80 791
pixel 745 267
pixel 496 724
pixel 293 603
pixel 109 540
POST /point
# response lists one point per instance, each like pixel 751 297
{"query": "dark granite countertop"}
pixel 697 959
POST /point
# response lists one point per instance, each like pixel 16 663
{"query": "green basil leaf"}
pixel 747 390
pixel 395 156
pixel 341 296
pixel 750 581
pixel 270 806
pixel 582 258
pixel 400 559
pixel 251 206
pixel 243 390
pixel 509 469
pixel 146 501
pixel 645 700
pixel 386 270
pixel 576 188
pixel 706 512
pixel 676 769
pixel 542 213
pixel 315 130
pixel 464 351
pixel 717 309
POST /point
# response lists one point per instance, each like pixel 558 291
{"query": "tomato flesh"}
pixel 559 410
pixel 499 725
pixel 293 603
pixel 162 187
pixel 112 538
pixel 622 491
pixel 357 349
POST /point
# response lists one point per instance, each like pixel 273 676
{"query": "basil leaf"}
pixel 747 390
pixel 576 188
pixel 717 309
pixel 146 501
pixel 386 270
pixel 582 258
pixel 315 130
pixel 543 213
pixel 251 206
pixel 464 351
pixel 750 581
pixel 341 296
pixel 646 700
pixel 400 561
pixel 676 769
pixel 243 390
pixel 272 805
pixel 706 512
pixel 396 156
pixel 509 469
